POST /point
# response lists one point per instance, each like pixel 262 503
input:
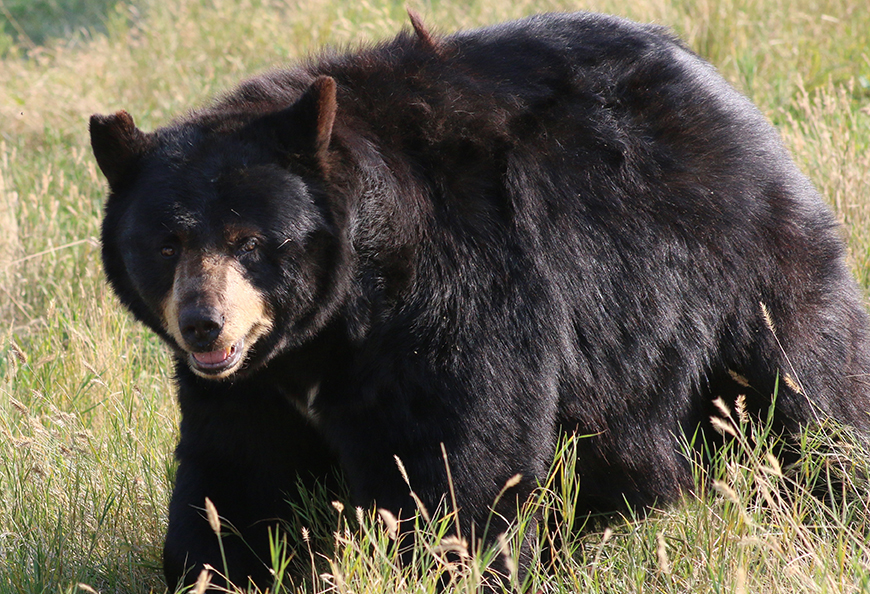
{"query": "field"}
pixel 87 416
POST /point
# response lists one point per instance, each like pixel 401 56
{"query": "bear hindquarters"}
pixel 815 342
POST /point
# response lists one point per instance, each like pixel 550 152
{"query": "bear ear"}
pixel 305 128
pixel 321 94
pixel 117 144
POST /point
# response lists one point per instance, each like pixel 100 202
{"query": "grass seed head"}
pixel 452 544
pixel 722 426
pixel 402 470
pixel 768 319
pixel 505 550
pixel 739 379
pixel 729 493
pixel 213 519
pixel 740 405
pixel 774 468
pixel 723 408
pixel 202 582
pixel 662 554
pixel 513 481
pixel 792 383
pixel 391 523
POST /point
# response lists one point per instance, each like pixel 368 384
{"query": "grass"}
pixel 87 418
pixel 32 22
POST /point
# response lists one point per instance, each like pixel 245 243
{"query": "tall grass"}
pixel 32 22
pixel 87 418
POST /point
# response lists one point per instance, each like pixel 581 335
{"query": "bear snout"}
pixel 200 326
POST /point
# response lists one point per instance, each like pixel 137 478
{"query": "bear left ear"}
pixel 117 144
pixel 321 96
pixel 305 128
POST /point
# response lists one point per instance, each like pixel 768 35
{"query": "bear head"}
pixel 218 233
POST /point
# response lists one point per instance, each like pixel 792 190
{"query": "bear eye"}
pixel 167 251
pixel 249 245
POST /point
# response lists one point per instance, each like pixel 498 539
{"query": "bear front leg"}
pixel 496 458
pixel 245 446
pixel 191 542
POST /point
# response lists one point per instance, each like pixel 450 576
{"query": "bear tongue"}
pixel 214 357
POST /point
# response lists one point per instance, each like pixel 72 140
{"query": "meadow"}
pixel 87 415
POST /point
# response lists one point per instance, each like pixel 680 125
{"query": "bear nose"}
pixel 200 326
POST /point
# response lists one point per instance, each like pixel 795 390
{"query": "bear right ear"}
pixel 117 144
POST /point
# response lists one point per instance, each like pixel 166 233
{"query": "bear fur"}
pixel 472 244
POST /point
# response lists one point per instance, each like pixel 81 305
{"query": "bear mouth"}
pixel 219 363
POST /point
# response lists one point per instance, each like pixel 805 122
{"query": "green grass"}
pixel 87 418
pixel 30 23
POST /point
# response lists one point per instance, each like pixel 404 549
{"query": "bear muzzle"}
pixel 200 326
pixel 214 314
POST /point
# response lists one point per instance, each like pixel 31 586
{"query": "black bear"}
pixel 472 244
